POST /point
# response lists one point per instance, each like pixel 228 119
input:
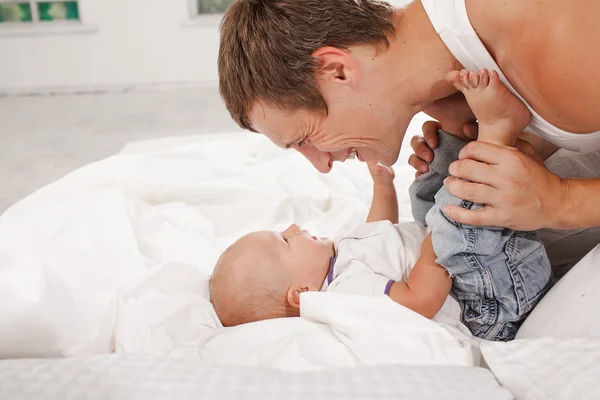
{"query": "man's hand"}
pixel 518 191
pixel 423 145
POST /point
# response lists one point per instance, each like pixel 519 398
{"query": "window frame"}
pixel 193 4
pixel 37 27
pixel 198 20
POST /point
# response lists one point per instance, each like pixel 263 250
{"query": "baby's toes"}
pixel 474 79
pixel 464 78
pixel 484 78
pixel 454 78
pixel 494 80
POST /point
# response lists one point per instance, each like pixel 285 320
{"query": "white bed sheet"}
pixel 547 368
pixel 116 257
pixel 130 377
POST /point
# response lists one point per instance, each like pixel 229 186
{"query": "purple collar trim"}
pixel 330 273
pixel 388 287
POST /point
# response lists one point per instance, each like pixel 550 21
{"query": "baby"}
pixel 498 275
pixel 262 275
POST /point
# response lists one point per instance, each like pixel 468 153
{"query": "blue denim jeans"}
pixel 498 274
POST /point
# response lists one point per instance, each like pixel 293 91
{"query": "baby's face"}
pixel 304 257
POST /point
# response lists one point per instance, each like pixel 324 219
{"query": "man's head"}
pixel 313 75
pixel 262 275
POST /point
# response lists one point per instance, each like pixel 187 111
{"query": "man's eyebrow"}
pixel 290 144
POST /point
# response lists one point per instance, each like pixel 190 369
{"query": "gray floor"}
pixel 45 137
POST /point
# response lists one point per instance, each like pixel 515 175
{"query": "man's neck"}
pixel 420 59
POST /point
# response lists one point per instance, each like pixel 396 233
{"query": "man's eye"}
pixel 304 140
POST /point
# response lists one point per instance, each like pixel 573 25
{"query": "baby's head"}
pixel 262 275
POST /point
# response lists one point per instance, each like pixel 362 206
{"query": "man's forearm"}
pixel 384 205
pixel 581 204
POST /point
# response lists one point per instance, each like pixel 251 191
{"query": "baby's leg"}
pixel 501 115
pixel 423 190
pixel 498 275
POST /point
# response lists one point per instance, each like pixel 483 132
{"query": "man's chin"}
pixel 387 160
pixel 392 160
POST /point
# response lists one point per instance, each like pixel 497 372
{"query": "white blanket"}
pixel 116 256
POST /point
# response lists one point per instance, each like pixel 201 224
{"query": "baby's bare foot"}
pixel 501 115
pixel 453 112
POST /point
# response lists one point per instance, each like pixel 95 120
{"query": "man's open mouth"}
pixel 353 154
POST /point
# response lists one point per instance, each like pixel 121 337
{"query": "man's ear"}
pixel 293 294
pixel 337 66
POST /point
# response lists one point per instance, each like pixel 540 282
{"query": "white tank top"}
pixel 451 22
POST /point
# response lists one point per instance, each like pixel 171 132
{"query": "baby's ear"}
pixel 293 294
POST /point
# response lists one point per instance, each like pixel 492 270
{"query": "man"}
pixel 333 78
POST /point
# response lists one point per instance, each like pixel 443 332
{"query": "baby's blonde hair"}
pixel 246 286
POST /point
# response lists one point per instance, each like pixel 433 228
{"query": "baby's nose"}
pixel 293 229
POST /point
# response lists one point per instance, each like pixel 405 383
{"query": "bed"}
pixel 104 292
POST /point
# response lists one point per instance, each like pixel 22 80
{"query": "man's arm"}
pixel 428 284
pixel 385 201
pixel 580 205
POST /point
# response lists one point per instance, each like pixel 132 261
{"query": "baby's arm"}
pixel 385 202
pixel 428 284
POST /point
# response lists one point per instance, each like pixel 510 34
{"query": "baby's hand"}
pixel 381 174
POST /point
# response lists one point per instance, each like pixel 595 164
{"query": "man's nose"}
pixel 321 160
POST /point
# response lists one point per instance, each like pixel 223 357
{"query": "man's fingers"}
pixel 471 130
pixel 430 133
pixel 475 192
pixel 421 149
pixel 471 217
pixel 417 163
pixel 473 171
pixel 487 152
pixel 417 142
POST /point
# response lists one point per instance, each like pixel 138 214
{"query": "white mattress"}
pixel 163 378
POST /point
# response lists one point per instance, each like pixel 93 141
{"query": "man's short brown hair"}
pixel 267 45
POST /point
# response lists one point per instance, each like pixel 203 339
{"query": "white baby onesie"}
pixel 370 257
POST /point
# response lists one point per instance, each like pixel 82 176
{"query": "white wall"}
pixel 138 42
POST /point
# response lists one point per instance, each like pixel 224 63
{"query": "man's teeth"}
pixel 353 154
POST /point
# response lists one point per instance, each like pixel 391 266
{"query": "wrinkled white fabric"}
pixel 116 256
